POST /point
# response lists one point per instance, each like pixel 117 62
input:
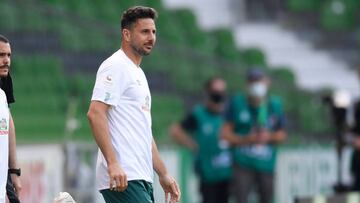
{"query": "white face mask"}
pixel 258 90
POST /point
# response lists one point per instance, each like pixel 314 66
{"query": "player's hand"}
pixel 171 188
pixel 263 136
pixel 118 178
pixel 17 183
pixel 250 139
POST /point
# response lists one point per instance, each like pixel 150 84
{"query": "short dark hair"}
pixel 130 16
pixel 209 83
pixel 4 39
pixel 255 74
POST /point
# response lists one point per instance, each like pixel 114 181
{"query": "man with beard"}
pixel 120 118
pixel 12 174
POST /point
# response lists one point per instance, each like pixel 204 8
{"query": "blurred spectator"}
pixel 13 186
pixel 355 162
pixel 199 131
pixel 254 126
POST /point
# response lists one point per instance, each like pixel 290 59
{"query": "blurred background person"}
pixel 13 186
pixel 254 126
pixel 199 131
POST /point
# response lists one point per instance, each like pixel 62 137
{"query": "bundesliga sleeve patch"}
pixel 108 80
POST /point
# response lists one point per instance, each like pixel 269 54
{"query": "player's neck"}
pixel 134 57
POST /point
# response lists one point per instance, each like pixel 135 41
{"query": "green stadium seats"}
pixel 194 36
pixel 253 57
pixel 162 119
pixel 303 5
pixel 41 98
pixel 185 54
pixel 9 17
pixel 225 45
pixel 337 15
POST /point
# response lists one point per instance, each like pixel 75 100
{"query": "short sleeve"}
pixel 189 123
pixel 7 87
pixel 110 84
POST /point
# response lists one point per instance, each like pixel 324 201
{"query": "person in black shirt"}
pixel 199 131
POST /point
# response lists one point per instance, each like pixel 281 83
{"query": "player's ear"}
pixel 126 35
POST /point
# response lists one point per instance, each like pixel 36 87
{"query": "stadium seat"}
pixel 303 5
pixel 337 15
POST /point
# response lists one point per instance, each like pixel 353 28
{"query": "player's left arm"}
pixel 167 182
pixel 12 155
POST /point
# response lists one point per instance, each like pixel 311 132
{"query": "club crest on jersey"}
pixel 3 124
pixel 3 127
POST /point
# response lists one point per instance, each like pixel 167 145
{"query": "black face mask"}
pixel 216 97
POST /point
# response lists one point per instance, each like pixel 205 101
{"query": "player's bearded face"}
pixel 5 53
pixel 143 36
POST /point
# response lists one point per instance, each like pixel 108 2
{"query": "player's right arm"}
pixel 97 116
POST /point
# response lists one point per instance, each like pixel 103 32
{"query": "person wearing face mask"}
pixel 254 127
pixel 199 131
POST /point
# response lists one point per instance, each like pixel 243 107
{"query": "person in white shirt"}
pixel 4 145
pixel 120 118
pixel 8 161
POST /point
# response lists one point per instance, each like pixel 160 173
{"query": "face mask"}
pixel 258 90
pixel 216 97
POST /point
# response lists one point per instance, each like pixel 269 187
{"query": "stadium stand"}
pixel 185 57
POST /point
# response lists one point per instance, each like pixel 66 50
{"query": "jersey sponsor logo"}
pixel 138 82
pixel 4 132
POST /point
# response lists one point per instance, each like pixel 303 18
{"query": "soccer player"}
pixel 254 125
pixel 7 129
pixel 200 132
pixel 120 118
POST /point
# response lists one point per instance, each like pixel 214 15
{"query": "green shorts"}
pixel 138 191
